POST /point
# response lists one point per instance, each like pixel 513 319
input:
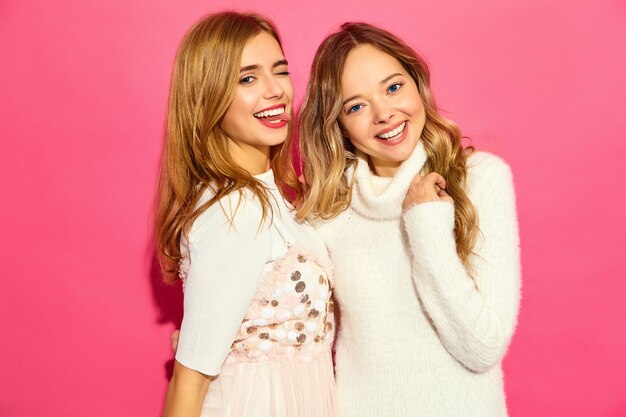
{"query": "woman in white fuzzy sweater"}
pixel 422 231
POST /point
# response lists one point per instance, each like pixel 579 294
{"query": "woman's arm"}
pixel 226 263
pixel 474 316
pixel 186 392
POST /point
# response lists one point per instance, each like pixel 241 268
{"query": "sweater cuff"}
pixel 430 228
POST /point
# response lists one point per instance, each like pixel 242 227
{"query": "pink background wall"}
pixel 83 85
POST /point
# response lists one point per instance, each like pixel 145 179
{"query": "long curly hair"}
pixel 195 155
pixel 327 154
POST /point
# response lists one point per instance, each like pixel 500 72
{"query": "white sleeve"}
pixel 474 319
pixel 226 265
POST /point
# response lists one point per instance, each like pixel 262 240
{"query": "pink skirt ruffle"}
pixel 283 386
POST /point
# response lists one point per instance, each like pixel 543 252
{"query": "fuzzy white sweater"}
pixel 418 336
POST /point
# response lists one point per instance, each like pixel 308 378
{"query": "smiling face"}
pixel 382 113
pixel 260 113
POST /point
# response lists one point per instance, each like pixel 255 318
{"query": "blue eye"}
pixel 355 108
pixel 394 87
pixel 246 80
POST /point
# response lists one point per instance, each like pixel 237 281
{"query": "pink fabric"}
pixel 280 363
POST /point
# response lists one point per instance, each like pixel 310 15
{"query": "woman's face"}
pixel 382 113
pixel 259 115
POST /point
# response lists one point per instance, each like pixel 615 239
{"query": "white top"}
pixel 417 336
pixel 226 264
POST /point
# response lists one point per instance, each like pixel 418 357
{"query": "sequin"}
pixel 282 315
pixel 260 322
pixel 290 312
pixel 267 313
pixel 298 310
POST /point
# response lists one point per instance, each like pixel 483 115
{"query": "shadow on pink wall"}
pixel 168 301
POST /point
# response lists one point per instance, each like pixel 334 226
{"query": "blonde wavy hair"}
pixel 195 155
pixel 327 154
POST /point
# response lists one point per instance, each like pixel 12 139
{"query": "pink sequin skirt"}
pixel 283 386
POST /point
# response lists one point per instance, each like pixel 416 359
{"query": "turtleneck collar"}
pixel 373 198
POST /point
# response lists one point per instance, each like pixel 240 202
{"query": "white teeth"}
pixel 394 132
pixel 268 113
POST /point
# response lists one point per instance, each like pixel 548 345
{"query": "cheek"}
pixel 235 118
pixel 244 103
pixel 358 128
pixel 349 130
pixel 288 89
pixel 416 105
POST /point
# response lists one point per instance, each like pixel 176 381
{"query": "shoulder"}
pixel 488 171
pixel 330 229
pixel 237 213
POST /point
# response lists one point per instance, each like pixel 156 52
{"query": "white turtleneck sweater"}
pixel 418 336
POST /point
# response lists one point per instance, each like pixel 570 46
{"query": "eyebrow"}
pixel 253 67
pixel 395 74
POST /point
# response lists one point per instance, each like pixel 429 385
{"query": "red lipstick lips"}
pixel 273 117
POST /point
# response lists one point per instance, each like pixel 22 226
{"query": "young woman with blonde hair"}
pixel 258 324
pixel 422 232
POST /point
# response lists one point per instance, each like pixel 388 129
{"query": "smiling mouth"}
pixel 275 117
pixel 270 113
pixel 393 134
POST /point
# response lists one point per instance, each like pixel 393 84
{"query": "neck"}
pixel 254 159
pixel 383 168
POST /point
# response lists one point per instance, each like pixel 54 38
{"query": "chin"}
pixel 277 141
pixel 404 155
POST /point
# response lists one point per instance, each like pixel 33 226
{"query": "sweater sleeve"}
pixel 226 264
pixel 474 317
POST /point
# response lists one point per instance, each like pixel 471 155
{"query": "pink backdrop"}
pixel 83 86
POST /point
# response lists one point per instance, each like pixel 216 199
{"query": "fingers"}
pixel 426 188
pixel 303 184
pixel 435 179
pixel 445 197
pixel 174 339
pixel 432 178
